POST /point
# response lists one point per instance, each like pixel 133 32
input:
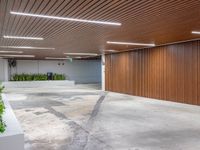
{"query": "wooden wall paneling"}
pixel 116 72
pixel 153 70
pixel 157 72
pixel 111 73
pixel 134 68
pixel 195 72
pixel 145 73
pixel 180 73
pixel 188 73
pixel 142 73
pixel 164 96
pixel 161 60
pixel 168 72
pixel 123 74
pixel 150 73
pixel 174 73
pixel 139 70
pixel 129 72
pixel 131 75
pixel 198 73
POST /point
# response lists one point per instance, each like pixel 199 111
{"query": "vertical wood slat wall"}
pixel 169 72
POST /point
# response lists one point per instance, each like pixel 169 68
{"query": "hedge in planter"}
pixel 36 77
pixel 2 109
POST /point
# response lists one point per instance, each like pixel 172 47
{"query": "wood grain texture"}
pixel 170 72
pixel 143 21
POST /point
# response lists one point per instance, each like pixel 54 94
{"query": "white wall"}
pixel 103 72
pixel 82 71
pixel 3 70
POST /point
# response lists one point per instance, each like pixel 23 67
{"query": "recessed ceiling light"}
pixel 27 47
pixel 22 37
pixel 111 50
pixel 81 54
pixel 78 57
pixel 29 56
pixel 66 18
pixel 57 58
pixel 196 32
pixel 18 52
pixel 127 43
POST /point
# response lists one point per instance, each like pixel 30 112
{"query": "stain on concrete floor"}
pixel 85 118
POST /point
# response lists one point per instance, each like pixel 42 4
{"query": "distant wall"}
pixel 81 71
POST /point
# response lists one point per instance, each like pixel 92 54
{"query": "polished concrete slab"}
pixel 86 118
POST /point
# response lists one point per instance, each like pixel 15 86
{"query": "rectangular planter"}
pixel 13 137
pixel 35 84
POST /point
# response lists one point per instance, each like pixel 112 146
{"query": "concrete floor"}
pixel 85 118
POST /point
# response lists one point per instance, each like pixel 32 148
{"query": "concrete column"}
pixel 103 72
pixel 6 75
pixel 3 70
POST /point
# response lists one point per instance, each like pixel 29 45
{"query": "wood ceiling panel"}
pixel 145 21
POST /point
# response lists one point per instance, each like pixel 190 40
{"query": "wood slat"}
pixel 170 72
pixel 142 21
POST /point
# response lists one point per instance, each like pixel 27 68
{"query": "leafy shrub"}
pixel 58 77
pixel 36 77
pixel 2 109
pixel 2 126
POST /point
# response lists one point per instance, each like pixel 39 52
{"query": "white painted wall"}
pixel 103 72
pixel 3 70
pixel 82 71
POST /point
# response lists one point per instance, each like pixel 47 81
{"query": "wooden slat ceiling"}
pixel 143 21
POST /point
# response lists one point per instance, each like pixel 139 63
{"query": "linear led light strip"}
pixel 29 56
pixel 18 52
pixel 196 32
pixel 27 47
pixel 81 54
pixel 22 37
pixel 127 43
pixel 66 18
pixel 57 58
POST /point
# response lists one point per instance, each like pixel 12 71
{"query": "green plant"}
pixel 2 126
pixel 1 89
pixel 58 77
pixel 36 77
pixel 2 109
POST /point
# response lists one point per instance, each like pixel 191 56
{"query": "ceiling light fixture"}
pixel 29 56
pixel 195 32
pixel 57 58
pixel 27 47
pixel 18 52
pixel 81 54
pixel 22 37
pixel 110 50
pixel 79 57
pixel 127 43
pixel 66 18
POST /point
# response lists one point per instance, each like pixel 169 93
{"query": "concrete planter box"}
pixel 13 137
pixel 34 84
